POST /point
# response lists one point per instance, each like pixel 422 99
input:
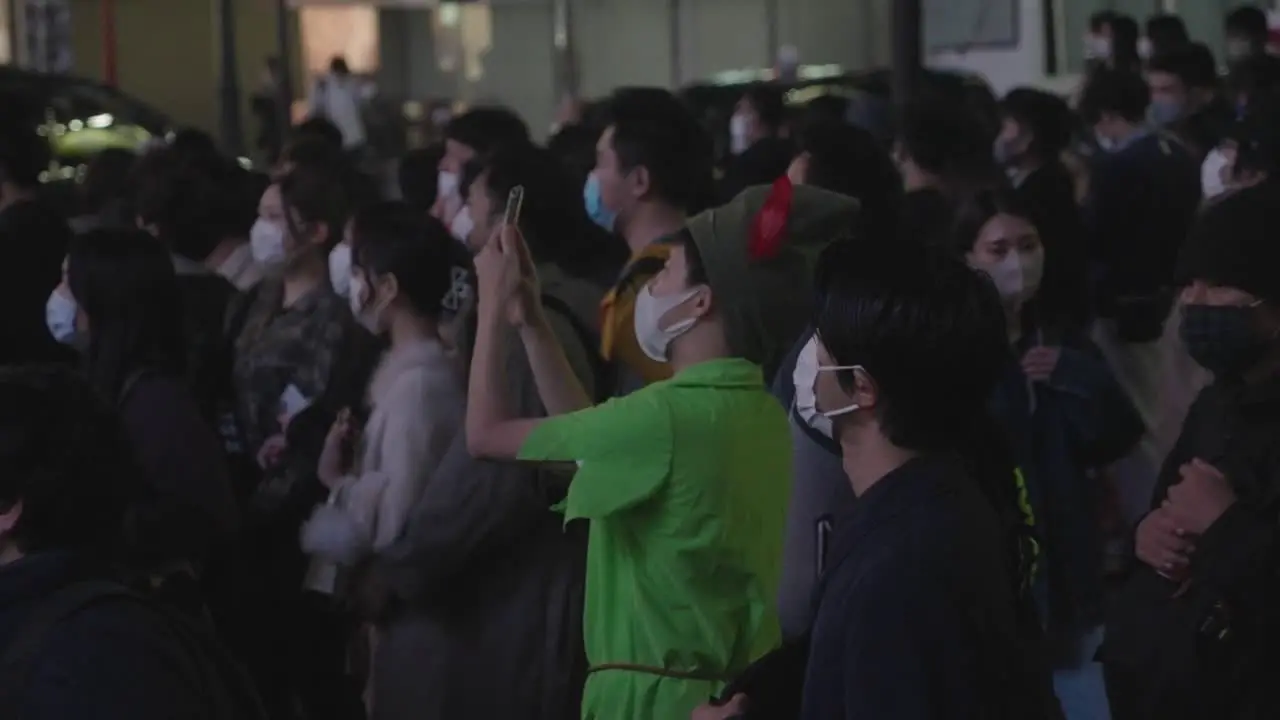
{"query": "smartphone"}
pixel 515 201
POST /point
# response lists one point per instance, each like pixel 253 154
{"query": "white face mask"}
pixel 446 183
pixel 60 316
pixel 462 225
pixel 1211 172
pixel 340 269
pixel 1238 49
pixel 1145 48
pixel 654 339
pixel 1018 275
pixel 805 378
pixel 738 134
pixel 370 318
pixel 266 241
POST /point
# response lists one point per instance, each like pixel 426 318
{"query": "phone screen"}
pixel 514 202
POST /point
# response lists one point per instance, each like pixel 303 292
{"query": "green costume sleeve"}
pixel 623 450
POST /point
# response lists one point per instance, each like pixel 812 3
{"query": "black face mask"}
pixel 1223 339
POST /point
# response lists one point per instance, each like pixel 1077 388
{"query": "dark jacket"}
pixel 760 164
pixel 1060 431
pixel 916 613
pixel 184 463
pixel 115 660
pixel 484 618
pixel 1049 195
pixel 1213 650
pixel 1142 201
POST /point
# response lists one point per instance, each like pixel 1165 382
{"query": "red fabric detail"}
pixel 769 229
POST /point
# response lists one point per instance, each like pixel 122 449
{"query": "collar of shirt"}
pixel 1140 134
pixel 722 373
pixel 910 484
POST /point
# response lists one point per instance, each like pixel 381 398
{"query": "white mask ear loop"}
pixel 853 407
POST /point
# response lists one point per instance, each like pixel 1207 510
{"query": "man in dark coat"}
pixel 64 494
pixel 1195 631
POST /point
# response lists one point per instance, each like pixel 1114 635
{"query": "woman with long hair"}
pixel 123 285
pixel 1065 416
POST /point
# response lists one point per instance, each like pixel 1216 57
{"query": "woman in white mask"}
pixel 1065 416
pixel 401 283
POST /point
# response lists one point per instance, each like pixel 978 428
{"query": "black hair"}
pixel 952 144
pixel 1166 33
pixel 486 129
pixel 975 211
pixel 197 148
pixel 768 100
pixel 849 160
pixel 1101 20
pixel 108 184
pixel 1114 91
pixel 575 147
pixel 320 128
pixel 553 218
pixel 418 175
pixel 24 153
pixel 1178 63
pixel 1045 115
pixel 1248 22
pixel 1124 42
pixel 1254 75
pixel 695 270
pixel 928 329
pixel 67 459
pixel 315 196
pixel 393 238
pixel 124 281
pixel 338 66
pixel 194 202
pixel 654 130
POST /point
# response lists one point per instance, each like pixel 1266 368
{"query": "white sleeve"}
pixel 421 425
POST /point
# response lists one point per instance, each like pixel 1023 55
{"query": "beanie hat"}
pixel 1233 243
pixel 759 253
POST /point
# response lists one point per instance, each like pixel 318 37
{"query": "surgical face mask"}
pixel 1145 48
pixel 654 339
pixel 340 269
pixel 462 225
pixel 266 241
pixel 1222 338
pixel 60 317
pixel 1165 112
pixel 446 183
pixel 1018 275
pixel 805 378
pixel 1105 143
pixel 596 209
pixel 1211 172
pixel 738 143
pixel 367 314
pixel 1238 49
pixel 1005 151
pixel 1097 47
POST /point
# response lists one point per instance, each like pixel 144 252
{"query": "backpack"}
pixel 602 371
pixel 228 693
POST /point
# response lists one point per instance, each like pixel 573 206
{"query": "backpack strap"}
pixel 601 370
pixel 23 652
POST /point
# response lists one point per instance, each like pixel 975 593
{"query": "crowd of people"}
pixel 981 424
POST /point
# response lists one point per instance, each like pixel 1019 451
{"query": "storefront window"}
pixel 329 31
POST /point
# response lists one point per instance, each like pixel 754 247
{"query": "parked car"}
pixel 80 117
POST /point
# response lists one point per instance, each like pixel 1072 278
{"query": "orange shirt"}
pixel 617 315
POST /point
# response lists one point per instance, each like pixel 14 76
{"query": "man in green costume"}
pixel 686 481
